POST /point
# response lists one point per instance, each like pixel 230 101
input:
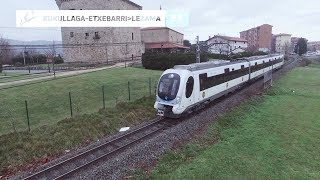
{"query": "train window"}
pixel 189 87
pixel 169 86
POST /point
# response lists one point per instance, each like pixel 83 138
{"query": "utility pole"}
pixel 54 54
pixel 198 60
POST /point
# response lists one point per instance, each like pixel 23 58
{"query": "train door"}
pixel 189 92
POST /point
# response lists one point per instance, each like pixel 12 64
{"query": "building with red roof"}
pixel 162 39
pixel 226 45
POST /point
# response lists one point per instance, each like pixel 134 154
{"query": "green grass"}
pixel 48 102
pixel 274 137
pixel 20 149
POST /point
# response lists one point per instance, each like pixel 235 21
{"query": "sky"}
pixel 207 17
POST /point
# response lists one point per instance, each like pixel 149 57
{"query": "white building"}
pixel 226 45
pixel 282 43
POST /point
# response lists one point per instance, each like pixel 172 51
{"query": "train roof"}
pixel 213 64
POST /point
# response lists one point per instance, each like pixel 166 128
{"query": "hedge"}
pixel 164 61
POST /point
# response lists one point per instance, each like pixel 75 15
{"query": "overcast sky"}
pixel 207 17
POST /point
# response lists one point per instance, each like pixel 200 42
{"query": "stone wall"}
pixel 175 37
pixel 159 35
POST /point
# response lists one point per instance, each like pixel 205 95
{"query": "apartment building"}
pixel 281 43
pixel 259 38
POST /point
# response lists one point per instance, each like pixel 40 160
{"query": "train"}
pixel 186 88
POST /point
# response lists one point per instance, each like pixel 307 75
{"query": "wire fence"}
pixel 45 107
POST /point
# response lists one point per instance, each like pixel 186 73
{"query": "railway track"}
pixel 75 164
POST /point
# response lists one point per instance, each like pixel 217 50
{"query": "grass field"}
pixel 22 149
pixel 274 137
pixel 48 102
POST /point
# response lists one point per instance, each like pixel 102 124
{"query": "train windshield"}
pixel 169 86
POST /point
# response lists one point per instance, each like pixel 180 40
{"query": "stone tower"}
pixel 102 44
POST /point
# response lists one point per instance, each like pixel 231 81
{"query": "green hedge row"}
pixel 163 61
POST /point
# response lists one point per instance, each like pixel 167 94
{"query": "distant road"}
pixel 58 75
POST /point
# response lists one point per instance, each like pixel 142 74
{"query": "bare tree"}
pixel 125 50
pixel 233 50
pixel 222 48
pixel 33 53
pixel 50 52
pixel 5 52
pixel 286 48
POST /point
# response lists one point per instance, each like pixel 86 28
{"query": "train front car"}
pixel 169 93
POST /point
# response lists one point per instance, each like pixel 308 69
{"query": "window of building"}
pixel 96 35
pixel 87 35
pixel 132 36
pixel 71 34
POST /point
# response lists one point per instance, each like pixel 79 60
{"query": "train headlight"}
pixel 178 100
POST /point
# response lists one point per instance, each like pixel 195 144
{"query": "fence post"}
pixel 129 90
pixel 155 89
pixel 70 100
pixel 27 111
pixel 103 98
pixel 150 86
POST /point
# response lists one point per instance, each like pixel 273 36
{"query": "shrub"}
pixel 18 64
pixel 37 59
pixel 163 61
pixel 58 60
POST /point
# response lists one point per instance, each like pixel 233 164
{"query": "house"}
pixel 314 46
pixel 226 45
pixel 100 44
pixel 163 39
pixel 259 38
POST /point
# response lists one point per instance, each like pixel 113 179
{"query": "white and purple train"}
pixel 185 88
